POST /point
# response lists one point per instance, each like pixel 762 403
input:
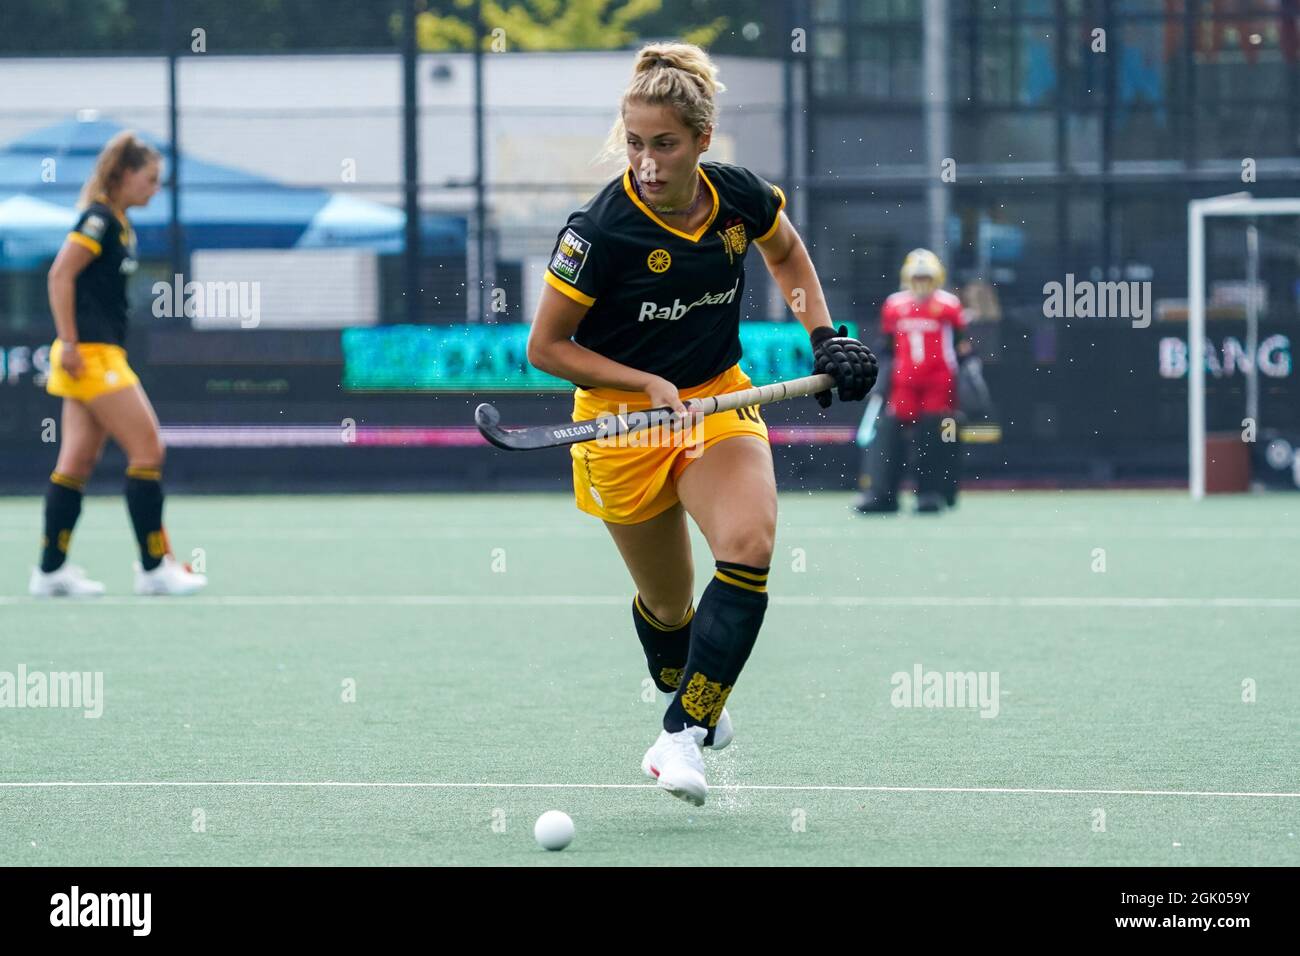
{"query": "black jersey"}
pixel 662 300
pixel 101 286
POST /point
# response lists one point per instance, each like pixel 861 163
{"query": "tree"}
pixel 36 27
pixel 553 25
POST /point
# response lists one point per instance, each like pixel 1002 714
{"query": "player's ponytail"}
pixel 679 75
pixel 124 153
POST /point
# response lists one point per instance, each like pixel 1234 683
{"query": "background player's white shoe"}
pixel 67 581
pixel 677 762
pixel 170 577
pixel 722 732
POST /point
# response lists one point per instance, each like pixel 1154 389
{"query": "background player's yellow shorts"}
pixel 634 478
pixel 105 371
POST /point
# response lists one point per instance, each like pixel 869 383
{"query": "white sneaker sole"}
pixel 152 589
pixel 163 592
pixel 36 588
pixel 689 794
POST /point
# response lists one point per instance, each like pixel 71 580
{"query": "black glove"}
pixel 848 360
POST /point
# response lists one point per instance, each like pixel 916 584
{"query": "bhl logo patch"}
pixel 570 256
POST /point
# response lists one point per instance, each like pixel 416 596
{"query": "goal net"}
pixel 1243 283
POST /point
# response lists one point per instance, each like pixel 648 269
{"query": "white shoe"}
pixel 170 577
pixel 67 581
pixel 676 761
pixel 723 733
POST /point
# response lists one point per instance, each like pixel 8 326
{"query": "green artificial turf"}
pixel 489 641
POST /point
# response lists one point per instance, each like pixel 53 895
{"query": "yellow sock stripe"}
pixel 67 481
pixel 646 615
pixel 747 575
pixel 147 474
pixel 655 622
pixel 722 576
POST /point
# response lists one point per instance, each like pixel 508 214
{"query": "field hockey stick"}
pixel 607 426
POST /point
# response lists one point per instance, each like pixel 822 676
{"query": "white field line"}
pixel 420 785
pixel 905 530
pixel 597 600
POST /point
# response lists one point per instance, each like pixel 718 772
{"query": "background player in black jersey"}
pixel 641 309
pixel 101 395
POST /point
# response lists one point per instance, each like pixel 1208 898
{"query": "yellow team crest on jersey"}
pixel 659 260
pixel 734 240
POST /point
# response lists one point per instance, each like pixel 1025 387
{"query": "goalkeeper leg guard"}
pixel 881 468
pixel 931 465
pixel 952 454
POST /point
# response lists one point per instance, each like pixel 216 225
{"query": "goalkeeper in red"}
pixel 924 337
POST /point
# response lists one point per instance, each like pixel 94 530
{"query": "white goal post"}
pixel 1237 204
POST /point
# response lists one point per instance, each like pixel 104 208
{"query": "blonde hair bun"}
pixel 679 75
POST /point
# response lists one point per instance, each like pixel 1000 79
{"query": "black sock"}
pixel 665 647
pixel 62 508
pixel 722 635
pixel 144 502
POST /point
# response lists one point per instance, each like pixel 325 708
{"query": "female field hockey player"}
pixel 641 309
pixel 101 395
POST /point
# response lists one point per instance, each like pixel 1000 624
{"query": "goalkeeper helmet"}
pixel 922 263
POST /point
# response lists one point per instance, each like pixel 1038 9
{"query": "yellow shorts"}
pixel 105 371
pixel 634 478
